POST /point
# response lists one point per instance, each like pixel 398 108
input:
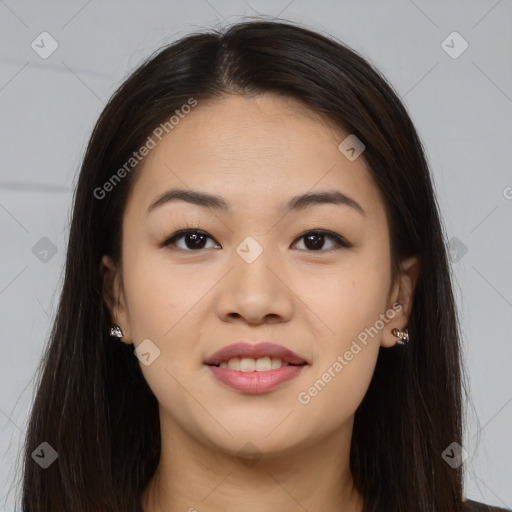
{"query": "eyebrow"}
pixel 296 203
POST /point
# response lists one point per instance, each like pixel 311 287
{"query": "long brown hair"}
pixel 93 405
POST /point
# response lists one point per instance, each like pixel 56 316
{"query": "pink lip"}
pixel 254 351
pixel 255 382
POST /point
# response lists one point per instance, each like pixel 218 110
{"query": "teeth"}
pixel 264 364
pixel 246 364
pixel 277 363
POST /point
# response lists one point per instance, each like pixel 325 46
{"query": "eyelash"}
pixel 339 241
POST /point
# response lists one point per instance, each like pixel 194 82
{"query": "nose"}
pixel 255 292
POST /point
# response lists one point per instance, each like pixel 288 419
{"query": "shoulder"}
pixel 475 506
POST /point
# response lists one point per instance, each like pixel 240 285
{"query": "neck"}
pixel 194 477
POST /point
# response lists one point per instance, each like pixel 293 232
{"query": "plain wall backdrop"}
pixel 450 61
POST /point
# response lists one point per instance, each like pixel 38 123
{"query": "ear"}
pixel 401 293
pixel 113 295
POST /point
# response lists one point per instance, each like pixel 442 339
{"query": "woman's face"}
pixel 252 271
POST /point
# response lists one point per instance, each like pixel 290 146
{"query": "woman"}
pixel 257 308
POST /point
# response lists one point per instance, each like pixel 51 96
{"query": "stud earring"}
pixel 402 335
pixel 116 331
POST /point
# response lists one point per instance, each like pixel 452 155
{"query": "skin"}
pixel 256 152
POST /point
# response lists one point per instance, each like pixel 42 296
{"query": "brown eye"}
pixel 314 241
pixel 193 239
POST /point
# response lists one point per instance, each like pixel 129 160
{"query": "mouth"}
pixel 262 364
pixel 264 355
pixel 256 381
pixel 255 368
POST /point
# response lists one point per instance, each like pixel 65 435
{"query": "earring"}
pixel 116 331
pixel 402 335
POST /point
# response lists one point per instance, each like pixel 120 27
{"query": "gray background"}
pixel 461 107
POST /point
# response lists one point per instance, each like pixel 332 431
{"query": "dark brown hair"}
pixel 93 405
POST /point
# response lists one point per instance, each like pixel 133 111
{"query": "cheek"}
pixel 151 303
pixel 158 294
pixel 349 303
pixel 348 299
pixel 347 349
pixel 160 302
pixel 335 391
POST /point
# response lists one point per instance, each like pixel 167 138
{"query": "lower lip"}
pixel 255 382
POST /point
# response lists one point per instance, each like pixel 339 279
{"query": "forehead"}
pixel 263 149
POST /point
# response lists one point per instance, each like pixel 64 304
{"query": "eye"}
pixel 315 239
pixel 194 239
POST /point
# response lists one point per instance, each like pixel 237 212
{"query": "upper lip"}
pixel 255 351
